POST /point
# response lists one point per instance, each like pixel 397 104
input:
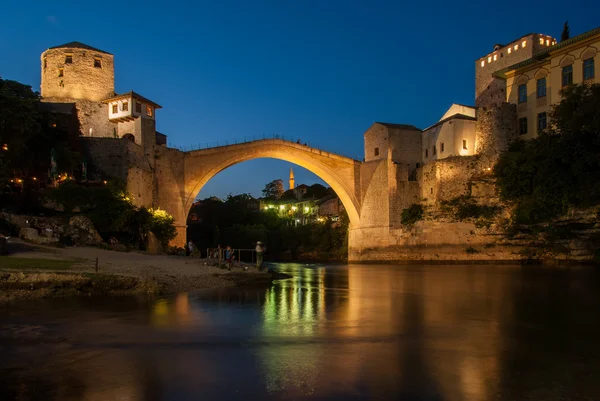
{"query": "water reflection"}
pixel 361 332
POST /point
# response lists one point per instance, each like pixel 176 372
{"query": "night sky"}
pixel 318 71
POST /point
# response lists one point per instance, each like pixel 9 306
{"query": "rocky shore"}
pixel 37 271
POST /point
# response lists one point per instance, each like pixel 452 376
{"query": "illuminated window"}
pixel 97 62
pixel 125 106
pixel 524 43
pixel 149 111
pixel 523 126
pixel 541 41
pixel 516 47
pixel 588 69
pixel 553 43
pixel 465 144
pixel 442 147
pixel 541 123
pixel 61 72
pixel 547 42
pixel 489 59
pixel 376 151
pixel 541 88
pixel 509 50
pixel 138 107
pixel 115 108
pixel 567 75
pixel 482 63
pixel 523 93
pixel 68 58
pixel 495 57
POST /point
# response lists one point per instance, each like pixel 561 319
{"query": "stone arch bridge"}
pixel 171 179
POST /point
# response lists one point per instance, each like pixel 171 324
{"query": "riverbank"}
pixel 37 271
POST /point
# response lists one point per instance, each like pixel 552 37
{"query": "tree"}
pixel 565 32
pixel 27 135
pixel 273 190
pixel 560 168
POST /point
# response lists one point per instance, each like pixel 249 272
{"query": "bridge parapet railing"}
pixel 253 138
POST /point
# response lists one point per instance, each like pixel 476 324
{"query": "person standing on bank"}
pixel 260 250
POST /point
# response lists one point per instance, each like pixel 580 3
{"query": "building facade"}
pixel 534 85
pixel 84 76
pixel 516 86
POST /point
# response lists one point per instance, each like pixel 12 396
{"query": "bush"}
pixel 470 250
pixel 465 207
pixel 559 169
pixel 412 214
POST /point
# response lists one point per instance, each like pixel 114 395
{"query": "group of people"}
pixel 229 254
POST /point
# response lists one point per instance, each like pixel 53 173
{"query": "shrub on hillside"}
pixel 412 214
pixel 559 169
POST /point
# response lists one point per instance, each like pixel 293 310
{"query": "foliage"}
pixel 29 134
pixel 465 207
pixel 560 168
pixel 161 225
pixel 566 32
pixel 471 251
pixel 273 190
pixel 113 213
pixel 412 214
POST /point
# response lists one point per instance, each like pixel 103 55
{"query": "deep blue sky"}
pixel 321 71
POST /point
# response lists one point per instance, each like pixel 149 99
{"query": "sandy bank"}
pixel 139 272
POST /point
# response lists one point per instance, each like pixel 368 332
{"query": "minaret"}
pixel 291 179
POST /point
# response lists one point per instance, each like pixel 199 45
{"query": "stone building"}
pixel 84 76
pixel 515 87
pixel 534 85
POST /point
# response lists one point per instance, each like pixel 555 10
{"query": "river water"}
pixel 336 332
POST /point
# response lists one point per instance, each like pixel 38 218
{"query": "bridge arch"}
pixel 341 173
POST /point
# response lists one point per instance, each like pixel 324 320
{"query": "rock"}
pixel 29 234
pixel 82 230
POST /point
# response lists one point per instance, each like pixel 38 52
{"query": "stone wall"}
pixel 80 79
pixel 496 129
pixel 93 117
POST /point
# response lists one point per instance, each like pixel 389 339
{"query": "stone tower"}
pixel 77 71
pixel 85 76
pixel 292 186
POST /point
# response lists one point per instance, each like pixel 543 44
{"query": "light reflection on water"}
pixel 338 332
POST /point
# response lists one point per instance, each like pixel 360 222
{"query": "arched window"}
pixel 130 137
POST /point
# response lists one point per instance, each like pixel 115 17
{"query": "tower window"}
pixel 138 107
pixel 61 72
pixel 45 62
pixel 115 108
pixel 68 59
pixel 541 87
pixel 149 111
pixel 523 93
pixel 523 126
pixel 588 69
pixel 97 62
pixel 426 152
pixel 465 144
pixel 541 122
pixel 434 150
pixel 376 151
pixel 442 147
pixel 125 106
pixel 567 75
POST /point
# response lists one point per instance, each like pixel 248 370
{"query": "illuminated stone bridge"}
pixel 171 179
